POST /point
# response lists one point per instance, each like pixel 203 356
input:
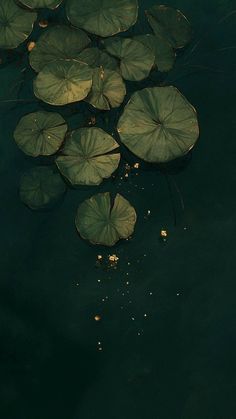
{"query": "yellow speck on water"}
pixel 99 257
pixel 30 46
pixel 163 233
pixel 113 258
pixel 136 165
pixel 97 318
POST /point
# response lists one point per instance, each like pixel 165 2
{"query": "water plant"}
pixel 90 59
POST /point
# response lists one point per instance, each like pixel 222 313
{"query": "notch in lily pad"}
pixel 40 133
pixel 41 187
pixel 41 4
pixel 88 157
pixel 102 222
pixel 16 24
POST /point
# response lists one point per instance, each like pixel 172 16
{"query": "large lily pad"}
pixel 108 89
pixel 40 133
pixel 100 222
pixel 58 42
pixel 102 17
pixel 163 51
pixel 158 124
pixel 136 60
pixel 95 57
pixel 61 82
pixel 39 4
pixel 16 24
pixel 170 24
pixel 41 187
pixel 87 158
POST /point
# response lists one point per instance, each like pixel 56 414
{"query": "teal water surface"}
pixel 165 345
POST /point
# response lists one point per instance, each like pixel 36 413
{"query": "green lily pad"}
pixel 170 24
pixel 61 82
pixel 163 51
pixel 102 17
pixel 16 24
pixel 100 222
pixel 87 158
pixel 40 4
pixel 136 60
pixel 41 187
pixel 158 124
pixel 95 57
pixel 108 89
pixel 40 133
pixel 58 42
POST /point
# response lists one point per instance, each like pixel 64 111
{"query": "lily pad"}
pixel 102 17
pixel 95 57
pixel 58 42
pixel 100 222
pixel 158 124
pixel 163 51
pixel 16 24
pixel 136 60
pixel 87 158
pixel 170 24
pixel 41 187
pixel 40 4
pixel 40 133
pixel 108 89
pixel 61 82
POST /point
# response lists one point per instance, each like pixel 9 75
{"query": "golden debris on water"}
pixel 97 318
pixel 43 23
pixel 92 120
pixel 113 260
pixel 136 165
pixel 30 46
pixel 163 235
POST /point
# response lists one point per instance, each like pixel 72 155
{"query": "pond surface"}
pixel 164 343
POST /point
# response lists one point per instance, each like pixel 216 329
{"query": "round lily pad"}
pixel 87 157
pixel 136 60
pixel 170 24
pixel 95 57
pixel 101 222
pixel 102 17
pixel 58 42
pixel 61 82
pixel 40 133
pixel 41 187
pixel 16 24
pixel 108 89
pixel 40 4
pixel 158 124
pixel 163 51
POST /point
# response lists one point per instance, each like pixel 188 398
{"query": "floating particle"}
pixel 145 315
pixel 97 318
pixel 133 318
pixel 163 235
pixel 150 293
pixel 30 46
pixel 136 165
pixel 99 257
pixel 43 23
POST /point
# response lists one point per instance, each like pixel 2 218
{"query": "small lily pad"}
pixel 87 157
pixel 40 4
pixel 95 57
pixel 41 187
pixel 16 24
pixel 40 133
pixel 108 89
pixel 61 82
pixel 102 17
pixel 158 124
pixel 58 42
pixel 136 60
pixel 100 222
pixel 170 24
pixel 163 51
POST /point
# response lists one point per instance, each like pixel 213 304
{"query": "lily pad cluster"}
pixel 86 61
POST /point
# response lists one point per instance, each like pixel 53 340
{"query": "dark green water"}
pixel 176 358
